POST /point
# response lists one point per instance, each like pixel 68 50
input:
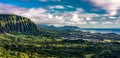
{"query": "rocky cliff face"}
pixel 14 23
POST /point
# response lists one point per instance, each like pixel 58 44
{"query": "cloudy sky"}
pixel 82 13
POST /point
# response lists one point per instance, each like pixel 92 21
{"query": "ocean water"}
pixel 101 30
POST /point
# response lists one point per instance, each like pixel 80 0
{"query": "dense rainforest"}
pixel 21 38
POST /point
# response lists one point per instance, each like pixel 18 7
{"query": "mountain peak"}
pixel 14 23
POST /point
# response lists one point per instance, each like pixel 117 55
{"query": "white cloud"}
pixel 117 21
pixel 79 10
pixel 10 9
pixel 43 0
pixel 57 7
pixel 93 22
pixel 111 6
pixel 82 22
pixel 88 18
pixel 56 0
pixel 111 17
pixel 107 22
pixel 75 18
pixel 50 16
pixel 70 6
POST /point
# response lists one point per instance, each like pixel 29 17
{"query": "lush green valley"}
pixel 28 46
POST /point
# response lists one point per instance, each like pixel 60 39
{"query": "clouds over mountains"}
pixel 61 16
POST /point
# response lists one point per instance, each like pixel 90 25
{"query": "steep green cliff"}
pixel 14 23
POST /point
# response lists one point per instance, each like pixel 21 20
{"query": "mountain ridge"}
pixel 10 23
pixel 15 23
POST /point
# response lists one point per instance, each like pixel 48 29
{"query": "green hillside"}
pixel 14 23
pixel 10 23
pixel 17 24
